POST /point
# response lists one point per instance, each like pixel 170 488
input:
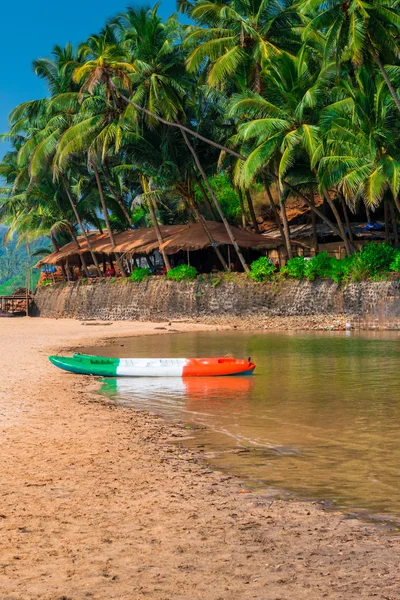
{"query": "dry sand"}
pixel 97 502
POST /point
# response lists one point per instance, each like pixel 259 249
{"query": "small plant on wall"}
pixel 182 273
pixel 140 274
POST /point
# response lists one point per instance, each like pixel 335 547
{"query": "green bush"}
pixel 182 272
pixel 319 266
pixel 340 270
pixel 395 264
pixel 262 269
pixel 373 260
pixel 295 268
pixel 140 274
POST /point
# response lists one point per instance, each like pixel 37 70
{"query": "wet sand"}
pixel 101 502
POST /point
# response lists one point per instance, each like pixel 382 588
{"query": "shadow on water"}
pixel 320 416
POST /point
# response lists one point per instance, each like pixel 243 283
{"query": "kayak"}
pixel 153 367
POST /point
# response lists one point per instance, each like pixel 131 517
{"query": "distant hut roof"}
pixel 176 237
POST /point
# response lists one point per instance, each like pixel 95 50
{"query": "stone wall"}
pixel 159 299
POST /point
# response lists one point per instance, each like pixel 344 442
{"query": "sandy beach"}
pixel 102 502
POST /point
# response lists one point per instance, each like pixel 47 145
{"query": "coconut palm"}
pixel 282 129
pixel 233 40
pixel 357 31
pixel 361 143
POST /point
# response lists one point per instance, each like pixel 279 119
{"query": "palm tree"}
pixel 355 31
pixel 282 129
pixel 235 39
pixel 361 143
pixel 106 64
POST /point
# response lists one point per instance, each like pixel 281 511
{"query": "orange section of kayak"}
pixel 211 367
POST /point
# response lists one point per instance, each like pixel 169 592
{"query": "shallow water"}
pixel 320 417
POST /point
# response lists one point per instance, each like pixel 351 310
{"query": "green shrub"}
pixel 395 264
pixel 372 261
pixel 182 272
pixel 319 266
pixel 340 270
pixel 262 269
pixel 140 274
pixel 45 282
pixel 295 268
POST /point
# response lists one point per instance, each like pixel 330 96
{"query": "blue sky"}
pixel 30 30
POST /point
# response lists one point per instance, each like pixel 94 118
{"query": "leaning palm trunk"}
pixel 107 219
pixel 177 125
pixel 184 129
pixel 116 197
pixel 208 233
pixel 158 234
pixel 79 221
pixel 252 211
pixel 56 245
pixel 81 256
pixel 312 206
pixel 275 212
pixel 216 203
pixel 346 218
pixel 384 74
pixel 206 200
pixel 285 222
pixel 339 222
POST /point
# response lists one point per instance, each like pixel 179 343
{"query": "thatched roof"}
pixel 193 237
pixel 176 237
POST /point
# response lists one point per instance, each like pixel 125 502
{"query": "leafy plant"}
pixel 395 264
pixel 46 282
pixel 295 268
pixel 319 266
pixel 373 260
pixel 140 274
pixel 262 269
pixel 182 272
pixel 340 270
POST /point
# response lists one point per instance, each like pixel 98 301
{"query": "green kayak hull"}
pixel 105 367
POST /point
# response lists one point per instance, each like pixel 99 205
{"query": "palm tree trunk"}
pixel 107 218
pixel 286 229
pixel 185 130
pixel 208 233
pixel 346 218
pixel 216 203
pixel 274 211
pixel 79 221
pixel 174 124
pixel 339 222
pixel 81 256
pixel 242 212
pixel 116 197
pixel 386 217
pixel 367 213
pixel 158 234
pixel 314 231
pixel 385 76
pixel 251 210
pixel 206 199
pixel 394 224
pixel 56 245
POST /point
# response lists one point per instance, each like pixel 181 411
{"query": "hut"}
pixel 188 243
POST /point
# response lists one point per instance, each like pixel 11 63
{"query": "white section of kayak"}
pixel 151 367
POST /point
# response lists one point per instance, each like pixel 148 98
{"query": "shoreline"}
pixel 100 501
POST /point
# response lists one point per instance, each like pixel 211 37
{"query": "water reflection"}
pixel 320 416
pixel 192 394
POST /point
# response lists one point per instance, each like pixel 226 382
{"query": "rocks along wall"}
pixel 159 299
